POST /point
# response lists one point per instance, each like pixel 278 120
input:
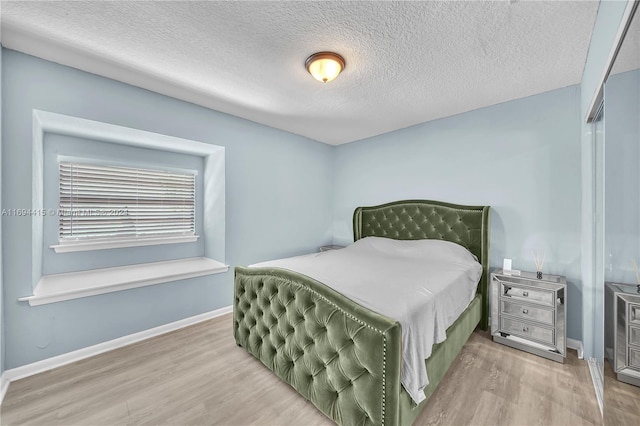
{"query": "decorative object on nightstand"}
pixel 624 326
pixel 635 267
pixel 539 263
pixel 331 247
pixel 529 313
pixel 506 268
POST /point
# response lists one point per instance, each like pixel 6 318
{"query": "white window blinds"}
pixel 109 203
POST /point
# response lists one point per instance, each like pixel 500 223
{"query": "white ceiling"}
pixel 407 62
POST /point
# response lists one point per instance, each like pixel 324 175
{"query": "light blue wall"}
pixel 520 157
pixel 278 203
pixel 606 27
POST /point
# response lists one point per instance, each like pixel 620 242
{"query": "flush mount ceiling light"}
pixel 325 66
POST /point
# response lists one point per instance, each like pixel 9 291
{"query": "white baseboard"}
pixel 577 345
pixel 4 386
pixel 598 381
pixel 64 359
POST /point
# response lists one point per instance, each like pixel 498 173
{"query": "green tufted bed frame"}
pixel 344 358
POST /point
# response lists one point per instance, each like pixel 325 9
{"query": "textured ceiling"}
pixel 407 62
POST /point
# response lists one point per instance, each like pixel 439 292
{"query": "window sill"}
pixel 71 247
pixel 73 285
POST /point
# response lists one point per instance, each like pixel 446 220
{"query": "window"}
pixel 103 206
pixel 83 274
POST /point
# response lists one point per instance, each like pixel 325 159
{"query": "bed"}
pixel 343 357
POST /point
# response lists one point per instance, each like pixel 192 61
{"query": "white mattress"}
pixel 424 284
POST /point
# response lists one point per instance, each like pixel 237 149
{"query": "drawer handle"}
pixel 525 293
pixel 525 311
pixel 525 328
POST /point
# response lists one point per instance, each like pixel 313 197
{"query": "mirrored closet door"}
pixel 621 257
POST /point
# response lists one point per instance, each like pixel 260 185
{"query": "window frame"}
pixel 213 232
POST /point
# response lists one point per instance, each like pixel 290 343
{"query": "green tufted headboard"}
pixel 426 219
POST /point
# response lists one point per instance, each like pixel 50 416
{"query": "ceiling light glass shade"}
pixel 325 66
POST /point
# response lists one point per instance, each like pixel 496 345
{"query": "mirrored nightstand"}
pixel 530 314
pixel 622 330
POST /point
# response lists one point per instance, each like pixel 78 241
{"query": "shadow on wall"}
pixel 498 240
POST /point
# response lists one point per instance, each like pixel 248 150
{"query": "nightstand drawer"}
pixel 531 295
pixel 634 358
pixel 524 329
pixel 515 309
pixel 634 336
pixel 634 314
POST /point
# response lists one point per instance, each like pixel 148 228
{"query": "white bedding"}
pixel 423 284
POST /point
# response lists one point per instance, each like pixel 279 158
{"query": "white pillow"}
pixel 429 248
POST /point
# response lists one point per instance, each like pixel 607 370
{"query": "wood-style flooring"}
pixel 198 376
pixel 621 400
